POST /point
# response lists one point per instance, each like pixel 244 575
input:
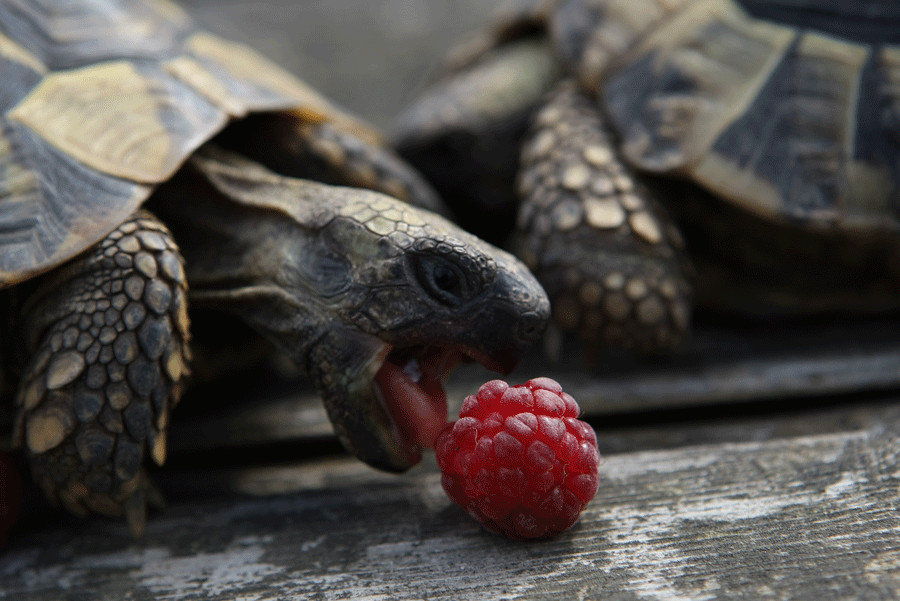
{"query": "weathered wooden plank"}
pixel 800 508
pixel 797 518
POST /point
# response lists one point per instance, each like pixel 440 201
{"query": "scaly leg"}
pixel 106 336
pixel 607 254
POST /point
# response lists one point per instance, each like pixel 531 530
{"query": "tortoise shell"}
pixel 101 102
pixel 787 108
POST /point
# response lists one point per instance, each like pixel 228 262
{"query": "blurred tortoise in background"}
pixel 116 213
pixel 762 135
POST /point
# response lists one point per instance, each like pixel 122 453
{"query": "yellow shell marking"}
pixel 247 66
pixel 107 117
pixel 11 51
pixel 727 78
pixel 194 74
pixel 744 186
pixel 170 10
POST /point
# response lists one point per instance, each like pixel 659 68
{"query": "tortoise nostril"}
pixel 531 326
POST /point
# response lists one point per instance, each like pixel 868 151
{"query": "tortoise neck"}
pixel 245 257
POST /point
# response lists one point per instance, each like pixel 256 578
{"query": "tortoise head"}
pixel 419 295
pixel 377 299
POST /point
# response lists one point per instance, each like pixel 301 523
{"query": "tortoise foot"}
pixel 108 338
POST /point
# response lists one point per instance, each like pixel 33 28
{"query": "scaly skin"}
pixel 295 145
pixel 107 338
pixel 344 280
pixel 465 133
pixel 607 253
pixel 352 284
pixel 376 299
pixel 785 192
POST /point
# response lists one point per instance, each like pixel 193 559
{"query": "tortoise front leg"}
pixel 608 255
pixel 107 340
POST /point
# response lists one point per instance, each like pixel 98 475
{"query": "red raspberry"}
pixel 519 460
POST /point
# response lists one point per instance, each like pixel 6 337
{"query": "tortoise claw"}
pixel 135 509
pixel 146 494
pixel 155 498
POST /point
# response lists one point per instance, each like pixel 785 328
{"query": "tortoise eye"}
pixel 447 280
pixel 442 279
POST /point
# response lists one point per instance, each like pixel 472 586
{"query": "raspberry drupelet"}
pixel 519 460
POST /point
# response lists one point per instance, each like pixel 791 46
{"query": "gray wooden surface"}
pixel 760 464
pixel 810 516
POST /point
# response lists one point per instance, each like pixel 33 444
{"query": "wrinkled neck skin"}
pixel 276 253
pixel 266 249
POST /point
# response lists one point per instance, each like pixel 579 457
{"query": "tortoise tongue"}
pixel 418 405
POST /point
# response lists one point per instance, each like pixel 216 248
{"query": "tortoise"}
pixel 147 166
pixel 742 156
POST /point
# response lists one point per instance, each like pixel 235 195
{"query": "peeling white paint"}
pixel 312 544
pixel 41 578
pixel 643 537
pixel 207 574
pixel 223 574
pixel 827 448
pixel 655 535
pixel 846 484
pixel 397 549
pixel 622 468
pixel 884 570
pixel 733 509
pixel 642 547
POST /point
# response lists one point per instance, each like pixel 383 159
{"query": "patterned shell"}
pixel 101 101
pixel 789 108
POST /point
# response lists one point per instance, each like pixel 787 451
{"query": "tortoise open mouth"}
pixel 410 388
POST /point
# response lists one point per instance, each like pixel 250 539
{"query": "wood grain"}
pixel 757 503
pixel 797 518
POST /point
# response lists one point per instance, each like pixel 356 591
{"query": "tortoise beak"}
pixel 343 365
pixel 386 398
